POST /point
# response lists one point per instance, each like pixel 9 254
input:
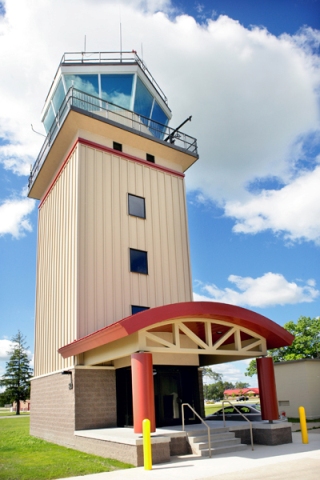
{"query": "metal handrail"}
pixel 224 419
pixel 95 105
pixel 111 57
pixel 193 410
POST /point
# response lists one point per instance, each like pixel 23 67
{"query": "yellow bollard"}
pixel 147 455
pixel 303 425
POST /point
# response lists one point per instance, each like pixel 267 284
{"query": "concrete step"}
pixel 223 449
pixel 222 441
pixel 204 431
pixel 214 437
pixel 205 445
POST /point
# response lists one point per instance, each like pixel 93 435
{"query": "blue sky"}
pixel 249 74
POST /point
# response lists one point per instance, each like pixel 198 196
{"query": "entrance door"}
pixel 167 386
pixel 172 386
pixel 124 397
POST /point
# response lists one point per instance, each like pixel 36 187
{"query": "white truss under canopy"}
pixel 203 337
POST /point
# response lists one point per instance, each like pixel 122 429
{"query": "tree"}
pixel 216 390
pixel 16 378
pixel 306 343
pixel 241 385
pixel 251 369
pixel 208 372
pixel 3 399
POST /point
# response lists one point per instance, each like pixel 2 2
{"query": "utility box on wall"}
pixel 298 384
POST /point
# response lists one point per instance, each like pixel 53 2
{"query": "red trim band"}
pixel 127 156
pixel 275 335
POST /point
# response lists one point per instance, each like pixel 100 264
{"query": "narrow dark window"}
pixel 136 206
pixel 137 309
pixel 117 146
pixel 150 157
pixel 138 261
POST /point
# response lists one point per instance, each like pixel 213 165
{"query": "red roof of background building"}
pixel 241 391
pixel 275 335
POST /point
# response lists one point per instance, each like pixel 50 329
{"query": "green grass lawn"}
pixel 24 457
pixel 297 420
pixel 209 409
pixel 7 413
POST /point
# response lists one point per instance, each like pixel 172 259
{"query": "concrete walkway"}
pixel 293 461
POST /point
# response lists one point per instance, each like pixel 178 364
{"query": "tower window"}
pixel 138 261
pixel 136 309
pixel 150 158
pixel 117 146
pixel 136 206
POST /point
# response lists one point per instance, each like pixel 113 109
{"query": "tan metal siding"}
pixel 56 272
pixel 107 288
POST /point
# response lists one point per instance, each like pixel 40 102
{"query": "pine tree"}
pixel 16 378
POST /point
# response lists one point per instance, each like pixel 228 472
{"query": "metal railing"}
pixel 108 58
pixel 85 102
pixel 193 410
pixel 224 419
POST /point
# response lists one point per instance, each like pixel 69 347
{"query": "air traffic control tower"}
pixel 117 335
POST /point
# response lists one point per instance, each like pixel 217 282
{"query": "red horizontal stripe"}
pixel 275 335
pixel 88 143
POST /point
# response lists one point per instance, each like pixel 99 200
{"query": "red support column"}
pixel 267 389
pixel 142 390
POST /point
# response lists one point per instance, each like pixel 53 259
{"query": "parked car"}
pixel 252 412
pixel 242 398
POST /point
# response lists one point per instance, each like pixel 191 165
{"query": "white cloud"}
pixel 5 346
pixel 14 216
pixel 234 372
pixel 269 290
pixel 254 97
pixel 293 210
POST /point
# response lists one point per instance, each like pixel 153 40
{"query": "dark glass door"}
pixel 172 386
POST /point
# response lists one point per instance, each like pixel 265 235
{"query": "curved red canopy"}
pixel 275 335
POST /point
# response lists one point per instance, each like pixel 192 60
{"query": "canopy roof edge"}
pixel 275 335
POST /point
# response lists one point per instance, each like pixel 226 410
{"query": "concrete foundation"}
pixel 264 433
pixel 85 418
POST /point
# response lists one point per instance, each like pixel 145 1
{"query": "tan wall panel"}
pixel 304 374
pixel 162 359
pixel 107 288
pixel 56 293
pixel 136 145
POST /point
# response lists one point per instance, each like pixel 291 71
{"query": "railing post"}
pixel 224 419
pixel 208 428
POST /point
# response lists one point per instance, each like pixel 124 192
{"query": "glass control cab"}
pixel 112 81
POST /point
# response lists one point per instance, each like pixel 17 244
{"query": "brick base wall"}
pixel 273 434
pixel 95 399
pixel 52 409
pixel 56 411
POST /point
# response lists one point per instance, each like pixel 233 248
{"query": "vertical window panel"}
pixel 138 261
pixel 136 206
pixel 117 89
pixel 143 100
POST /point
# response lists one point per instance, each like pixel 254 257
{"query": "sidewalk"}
pixel 293 461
